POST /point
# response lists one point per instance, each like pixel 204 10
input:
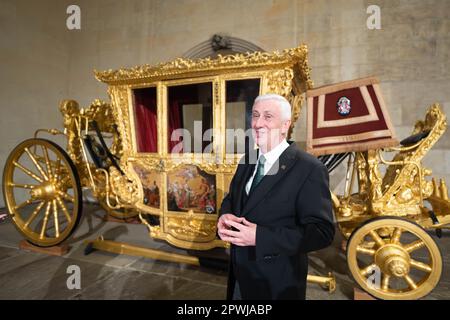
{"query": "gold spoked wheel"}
pixel 42 192
pixel 392 258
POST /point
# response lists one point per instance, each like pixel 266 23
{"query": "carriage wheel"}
pixel 42 192
pixel 404 263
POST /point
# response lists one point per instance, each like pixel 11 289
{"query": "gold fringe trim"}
pixel 342 86
pixel 353 147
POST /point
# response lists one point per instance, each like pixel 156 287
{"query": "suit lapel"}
pixel 278 170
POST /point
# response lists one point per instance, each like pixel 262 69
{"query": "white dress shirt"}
pixel 271 157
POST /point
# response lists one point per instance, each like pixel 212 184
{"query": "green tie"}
pixel 259 173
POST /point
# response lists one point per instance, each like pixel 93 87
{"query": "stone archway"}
pixel 220 44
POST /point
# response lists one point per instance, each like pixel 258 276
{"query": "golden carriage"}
pixel 139 158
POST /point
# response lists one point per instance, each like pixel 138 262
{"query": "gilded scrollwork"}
pixel 361 165
pixel 149 163
pixel 75 119
pixel 296 103
pixel 397 175
pixel 189 227
pixel 304 74
pixel 197 160
pixel 374 176
pixel 126 189
pixel 119 98
pixel 405 184
pixel 235 62
pixel 70 110
pixel 280 81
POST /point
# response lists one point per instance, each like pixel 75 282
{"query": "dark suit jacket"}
pixel 293 212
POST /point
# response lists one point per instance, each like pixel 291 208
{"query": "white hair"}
pixel 285 106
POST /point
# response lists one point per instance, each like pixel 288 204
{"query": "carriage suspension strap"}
pixel 435 221
pixel 111 157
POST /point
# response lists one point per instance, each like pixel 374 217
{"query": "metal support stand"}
pixel 328 283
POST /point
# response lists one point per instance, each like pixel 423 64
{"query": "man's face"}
pixel 268 127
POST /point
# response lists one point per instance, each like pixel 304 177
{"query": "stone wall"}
pixel 43 62
pixel 34 62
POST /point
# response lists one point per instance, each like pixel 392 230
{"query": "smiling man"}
pixel 276 211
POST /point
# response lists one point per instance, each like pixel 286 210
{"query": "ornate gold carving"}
pixel 119 99
pixel 148 163
pixel 363 178
pixel 205 163
pixel 70 111
pixel 404 187
pixel 189 227
pixel 126 189
pixel 229 63
pixel 296 103
pixel 374 175
pixel 75 120
pixel 398 176
pixel 280 82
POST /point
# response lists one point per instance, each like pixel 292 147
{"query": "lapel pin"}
pixel 283 167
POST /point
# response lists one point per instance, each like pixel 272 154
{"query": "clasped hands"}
pixel 244 235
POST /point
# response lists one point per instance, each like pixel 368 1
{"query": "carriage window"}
pixel 190 116
pixel 145 115
pixel 240 95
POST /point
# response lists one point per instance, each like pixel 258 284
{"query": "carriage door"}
pixel 190 208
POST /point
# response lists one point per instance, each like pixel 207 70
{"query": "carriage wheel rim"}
pixel 53 177
pixel 393 259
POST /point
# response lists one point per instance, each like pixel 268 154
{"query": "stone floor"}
pixel 29 275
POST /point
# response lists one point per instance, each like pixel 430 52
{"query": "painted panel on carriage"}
pixel 151 184
pixel 190 188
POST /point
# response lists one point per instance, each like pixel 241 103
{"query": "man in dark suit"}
pixel 276 211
